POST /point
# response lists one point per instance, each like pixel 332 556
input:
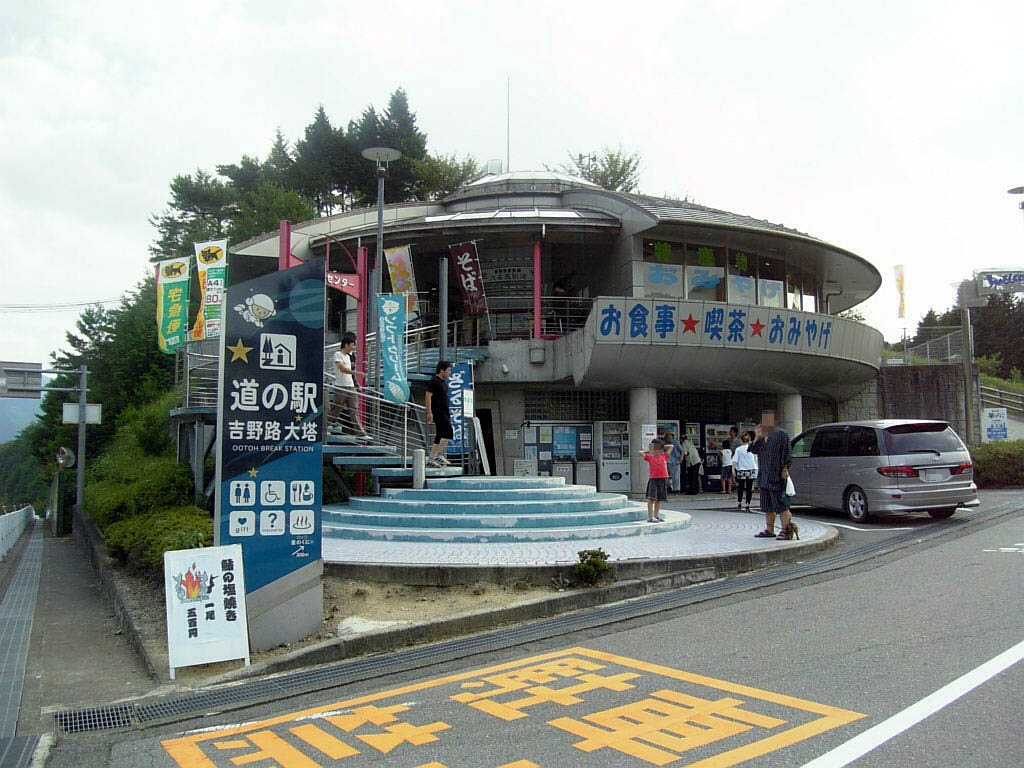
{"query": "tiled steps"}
pixel 493 509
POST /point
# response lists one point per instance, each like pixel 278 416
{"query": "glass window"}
pixel 705 273
pixel 771 282
pixel 810 286
pixel 742 277
pixel 664 252
pixel 863 441
pixel 829 442
pixel 794 279
pixel 802 445
pixel 922 438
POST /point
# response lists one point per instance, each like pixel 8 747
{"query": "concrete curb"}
pixel 88 536
pixel 634 578
pixel 452 574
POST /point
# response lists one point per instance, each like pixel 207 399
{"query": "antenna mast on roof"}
pixel 508 124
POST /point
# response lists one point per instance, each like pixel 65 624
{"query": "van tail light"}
pixel 898 472
pixel 963 468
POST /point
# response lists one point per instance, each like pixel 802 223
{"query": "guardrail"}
pixel 999 398
pixel 12 525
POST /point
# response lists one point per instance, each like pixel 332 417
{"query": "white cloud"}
pixel 892 130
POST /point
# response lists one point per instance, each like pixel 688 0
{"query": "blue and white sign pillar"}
pixel 270 458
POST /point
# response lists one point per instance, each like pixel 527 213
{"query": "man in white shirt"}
pixel 345 398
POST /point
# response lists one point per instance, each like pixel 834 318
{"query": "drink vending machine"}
pixel 612 439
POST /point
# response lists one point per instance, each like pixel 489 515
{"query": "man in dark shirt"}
pixel 773 460
pixel 437 412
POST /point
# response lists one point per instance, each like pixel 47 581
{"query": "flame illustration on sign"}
pixel 194 585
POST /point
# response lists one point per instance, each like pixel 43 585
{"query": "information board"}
pixel 270 415
pixel 995 424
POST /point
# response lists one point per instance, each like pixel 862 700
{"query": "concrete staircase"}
pixel 384 462
pixel 493 509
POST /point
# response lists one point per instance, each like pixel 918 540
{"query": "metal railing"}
pixel 1013 402
pixel 364 415
pixel 942 350
pixel 511 317
pixel 195 377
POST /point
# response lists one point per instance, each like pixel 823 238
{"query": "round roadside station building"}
pixel 608 316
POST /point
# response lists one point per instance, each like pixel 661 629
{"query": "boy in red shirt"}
pixel 657 486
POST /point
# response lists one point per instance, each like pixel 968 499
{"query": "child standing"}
pixel 657 491
pixel 727 466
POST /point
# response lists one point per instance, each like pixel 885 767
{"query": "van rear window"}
pixel 914 438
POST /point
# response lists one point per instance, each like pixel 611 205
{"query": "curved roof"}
pixel 497 178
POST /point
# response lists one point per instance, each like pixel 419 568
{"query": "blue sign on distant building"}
pixel 270 416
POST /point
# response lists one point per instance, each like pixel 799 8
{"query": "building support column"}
pixel 536 290
pixel 791 414
pixel 643 409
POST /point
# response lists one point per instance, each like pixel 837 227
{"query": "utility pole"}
pixel 967 340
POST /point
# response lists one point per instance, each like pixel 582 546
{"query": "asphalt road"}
pixel 777 676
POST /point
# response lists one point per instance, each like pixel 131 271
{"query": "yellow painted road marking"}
pixel 662 725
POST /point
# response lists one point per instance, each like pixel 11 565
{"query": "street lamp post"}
pixel 381 156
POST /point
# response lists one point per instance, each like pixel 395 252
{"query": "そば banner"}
pixel 466 263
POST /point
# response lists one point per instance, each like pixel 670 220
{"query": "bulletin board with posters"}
pixel 545 442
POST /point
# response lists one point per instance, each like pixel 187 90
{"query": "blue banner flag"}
pixel 391 330
pixel 269 419
pixel 460 381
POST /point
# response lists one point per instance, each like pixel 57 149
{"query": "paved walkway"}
pixel 714 531
pixel 60 644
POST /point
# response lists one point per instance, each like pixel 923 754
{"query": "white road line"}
pixel 866 530
pixel 877 735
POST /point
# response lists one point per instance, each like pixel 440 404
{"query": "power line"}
pixel 71 306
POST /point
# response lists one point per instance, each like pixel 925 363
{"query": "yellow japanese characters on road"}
pixel 567 703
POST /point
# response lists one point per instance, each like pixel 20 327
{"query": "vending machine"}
pixel 612 442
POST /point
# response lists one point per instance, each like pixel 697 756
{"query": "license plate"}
pixel 935 475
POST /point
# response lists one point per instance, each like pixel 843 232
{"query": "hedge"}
pixel 999 464
pixel 140 541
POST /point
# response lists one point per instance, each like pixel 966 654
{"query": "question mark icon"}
pixel 273 519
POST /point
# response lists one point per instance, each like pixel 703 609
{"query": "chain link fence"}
pixel 945 346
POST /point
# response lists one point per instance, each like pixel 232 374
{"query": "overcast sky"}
pixel 892 129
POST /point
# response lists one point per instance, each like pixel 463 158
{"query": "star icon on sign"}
pixel 690 324
pixel 756 327
pixel 239 352
pixel 253 472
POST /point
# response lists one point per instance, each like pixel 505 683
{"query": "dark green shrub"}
pixel 140 541
pixel 144 484
pixel 999 465
pixel 592 568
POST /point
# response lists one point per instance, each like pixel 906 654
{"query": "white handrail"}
pixel 12 525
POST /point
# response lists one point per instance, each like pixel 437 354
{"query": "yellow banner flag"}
pixel 900 285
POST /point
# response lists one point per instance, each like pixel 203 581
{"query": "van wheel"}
pixel 855 504
pixel 942 514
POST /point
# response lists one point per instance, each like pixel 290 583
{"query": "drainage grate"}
pixel 96 718
pixel 343 673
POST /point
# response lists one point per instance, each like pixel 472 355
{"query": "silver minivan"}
pixel 867 468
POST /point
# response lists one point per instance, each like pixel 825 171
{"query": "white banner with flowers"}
pixel 205 595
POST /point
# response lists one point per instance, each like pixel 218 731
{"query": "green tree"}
pixel 244 175
pixel 279 163
pixel 440 175
pixel 399 131
pixel 265 207
pixel 613 169
pixel 199 209
pixel 317 158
